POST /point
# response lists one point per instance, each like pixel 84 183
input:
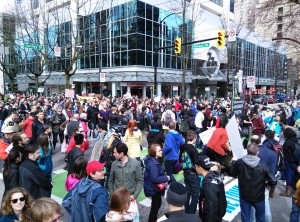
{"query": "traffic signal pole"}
pixel 156 50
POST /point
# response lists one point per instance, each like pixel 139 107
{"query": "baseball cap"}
pixel 204 162
pixel 94 166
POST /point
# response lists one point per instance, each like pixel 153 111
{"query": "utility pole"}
pixel 184 63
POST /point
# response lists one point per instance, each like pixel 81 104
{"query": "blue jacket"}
pixel 87 201
pixel 268 157
pixel 296 113
pixel 9 218
pixel 45 163
pixel 154 173
pixel 172 143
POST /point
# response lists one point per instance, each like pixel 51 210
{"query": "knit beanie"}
pixel 176 194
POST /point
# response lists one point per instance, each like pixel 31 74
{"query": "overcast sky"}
pixel 4 5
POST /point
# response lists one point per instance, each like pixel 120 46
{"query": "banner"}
pixel 234 138
pixel 88 99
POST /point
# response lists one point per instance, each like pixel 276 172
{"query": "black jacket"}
pixel 12 179
pixel 92 114
pixel 289 148
pixel 192 152
pixel 72 156
pixel 155 136
pixel 252 175
pixel 181 216
pixel 213 198
pixel 33 179
pixel 114 119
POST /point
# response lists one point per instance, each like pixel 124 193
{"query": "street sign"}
pixel 32 46
pixel 207 89
pixel 175 88
pixel 201 45
pixel 231 35
pixel 250 81
pixel 57 51
pixel 102 77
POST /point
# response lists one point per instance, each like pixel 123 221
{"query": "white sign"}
pixel 69 93
pixel 250 81
pixel 40 90
pixel 207 89
pixel 57 51
pixel 102 77
pixel 231 35
pixel 234 140
pixel 175 88
pixel 2 82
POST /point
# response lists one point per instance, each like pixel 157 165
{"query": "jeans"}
pixel 289 173
pixel 246 210
pixel 61 138
pixel 169 166
pixel 155 205
pixel 178 118
pixel 268 215
pixel 192 185
pixel 295 214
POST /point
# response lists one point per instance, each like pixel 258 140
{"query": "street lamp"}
pixel 156 53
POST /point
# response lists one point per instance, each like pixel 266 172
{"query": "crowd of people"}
pixel 105 186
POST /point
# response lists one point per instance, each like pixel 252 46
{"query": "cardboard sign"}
pixel 238 107
pixel 69 93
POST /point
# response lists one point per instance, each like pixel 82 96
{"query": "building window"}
pixel 279 19
pixel 35 4
pixel 279 27
pixel 232 6
pixel 280 10
pixel 219 2
pixel 279 35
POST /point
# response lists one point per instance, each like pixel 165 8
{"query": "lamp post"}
pixel 156 54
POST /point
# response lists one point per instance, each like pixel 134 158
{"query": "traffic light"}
pixel 177 45
pixel 221 38
pixel 68 51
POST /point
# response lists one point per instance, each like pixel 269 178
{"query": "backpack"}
pixel 186 161
pixel 167 119
pixel 277 148
pixel 141 121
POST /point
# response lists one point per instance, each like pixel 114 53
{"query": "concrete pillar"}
pixel 187 88
pixel 113 89
pixel 83 86
pixel 128 89
pixel 144 92
pixel 158 89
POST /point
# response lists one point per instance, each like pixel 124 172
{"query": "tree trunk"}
pixel 36 82
pixel 67 80
pixel 12 85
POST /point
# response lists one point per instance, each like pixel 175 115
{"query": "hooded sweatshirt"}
pixel 172 143
pixel 252 175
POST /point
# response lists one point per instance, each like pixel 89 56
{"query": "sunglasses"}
pixel 21 199
pixel 81 131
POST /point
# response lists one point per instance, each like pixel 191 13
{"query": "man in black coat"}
pixel 252 175
pixel 31 177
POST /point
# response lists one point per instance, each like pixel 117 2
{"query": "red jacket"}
pixel 71 145
pixel 258 125
pixel 177 106
pixel 218 141
pixel 27 127
pixel 3 146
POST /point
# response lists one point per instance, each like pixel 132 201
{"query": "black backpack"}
pixel 141 121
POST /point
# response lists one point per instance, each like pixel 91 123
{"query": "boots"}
pixel 287 192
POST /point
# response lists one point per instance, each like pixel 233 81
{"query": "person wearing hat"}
pixel 209 120
pixel 88 200
pixel 176 198
pixel 212 201
pixel 5 142
pixel 10 121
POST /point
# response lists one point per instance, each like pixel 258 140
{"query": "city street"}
pixel 280 207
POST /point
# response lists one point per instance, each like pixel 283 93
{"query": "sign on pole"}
pixel 175 88
pixel 102 77
pixel 57 51
pixel 231 35
pixel 201 45
pixel 250 81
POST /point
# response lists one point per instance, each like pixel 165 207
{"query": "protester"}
pixel 46 210
pixel 154 176
pixel 45 159
pixel 31 177
pixel 27 125
pixel 5 142
pixel 133 181
pixel 133 139
pixel 37 126
pixel 155 135
pixel 212 201
pixel 15 206
pixel 75 152
pixel 78 174
pixel 56 120
pixel 88 197
pixel 11 170
pixel 176 198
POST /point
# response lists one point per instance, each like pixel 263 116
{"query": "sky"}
pixel 4 5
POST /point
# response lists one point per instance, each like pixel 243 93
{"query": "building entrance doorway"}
pixel 137 91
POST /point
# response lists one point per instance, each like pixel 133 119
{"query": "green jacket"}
pixel 130 176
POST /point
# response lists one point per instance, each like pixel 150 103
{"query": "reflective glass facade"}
pixel 255 60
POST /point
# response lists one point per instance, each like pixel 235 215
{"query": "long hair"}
pixel 119 200
pixel 43 142
pixel 131 125
pixel 6 203
pixel 13 155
